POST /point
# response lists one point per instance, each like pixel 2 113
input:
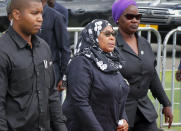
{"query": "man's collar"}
pixel 21 43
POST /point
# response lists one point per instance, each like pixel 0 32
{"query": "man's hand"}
pixel 178 75
pixel 123 127
pixel 168 116
pixel 59 86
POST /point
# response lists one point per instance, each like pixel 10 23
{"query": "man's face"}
pixel 30 19
pixel 51 3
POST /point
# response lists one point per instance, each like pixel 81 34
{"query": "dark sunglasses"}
pixel 132 16
pixel 109 33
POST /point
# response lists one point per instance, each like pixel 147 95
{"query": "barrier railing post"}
pixel 149 36
pixel 173 69
pixel 75 40
pixel 172 32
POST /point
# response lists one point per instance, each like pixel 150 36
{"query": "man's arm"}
pixel 3 92
pixel 79 85
pixel 56 116
pixel 61 35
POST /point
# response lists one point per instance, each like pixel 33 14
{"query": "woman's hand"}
pixel 168 116
pixel 123 127
pixel 59 86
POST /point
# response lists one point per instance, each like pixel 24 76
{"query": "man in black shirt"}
pixel 61 9
pixel 28 96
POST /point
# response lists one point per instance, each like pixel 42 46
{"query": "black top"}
pixel 95 100
pixel 54 32
pixel 28 96
pixel 140 72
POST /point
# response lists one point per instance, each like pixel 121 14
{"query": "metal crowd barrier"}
pixel 165 42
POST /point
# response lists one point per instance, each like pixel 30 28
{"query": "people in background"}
pixel 178 73
pixel 28 96
pixel 96 90
pixel 54 32
pixel 139 69
pixel 61 9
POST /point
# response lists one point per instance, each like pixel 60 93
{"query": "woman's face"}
pixel 130 19
pixel 107 39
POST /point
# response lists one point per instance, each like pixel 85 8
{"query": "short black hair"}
pixel 17 4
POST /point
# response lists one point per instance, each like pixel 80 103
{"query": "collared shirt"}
pixel 28 97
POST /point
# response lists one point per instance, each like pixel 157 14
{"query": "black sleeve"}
pixel 63 43
pixel 123 102
pixel 158 91
pixel 157 88
pixel 124 115
pixel 3 91
pixel 79 85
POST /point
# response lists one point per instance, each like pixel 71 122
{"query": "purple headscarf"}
pixel 119 7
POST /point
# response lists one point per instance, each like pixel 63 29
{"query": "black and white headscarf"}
pixel 88 46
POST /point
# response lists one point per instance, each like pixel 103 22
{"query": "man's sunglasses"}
pixel 132 16
pixel 109 33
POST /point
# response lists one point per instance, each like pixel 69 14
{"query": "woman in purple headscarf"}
pixel 139 69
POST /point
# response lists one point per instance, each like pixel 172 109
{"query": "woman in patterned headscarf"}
pixel 139 70
pixel 96 91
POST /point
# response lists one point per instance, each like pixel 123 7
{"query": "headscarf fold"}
pixel 119 6
pixel 88 46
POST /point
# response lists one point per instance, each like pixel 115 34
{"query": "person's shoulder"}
pixel 54 12
pixel 60 7
pixel 51 12
pixel 143 40
pixel 81 61
pixel 5 40
pixel 80 58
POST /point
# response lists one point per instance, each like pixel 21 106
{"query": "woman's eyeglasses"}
pixel 132 16
pixel 109 33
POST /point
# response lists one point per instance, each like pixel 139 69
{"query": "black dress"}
pixel 95 100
